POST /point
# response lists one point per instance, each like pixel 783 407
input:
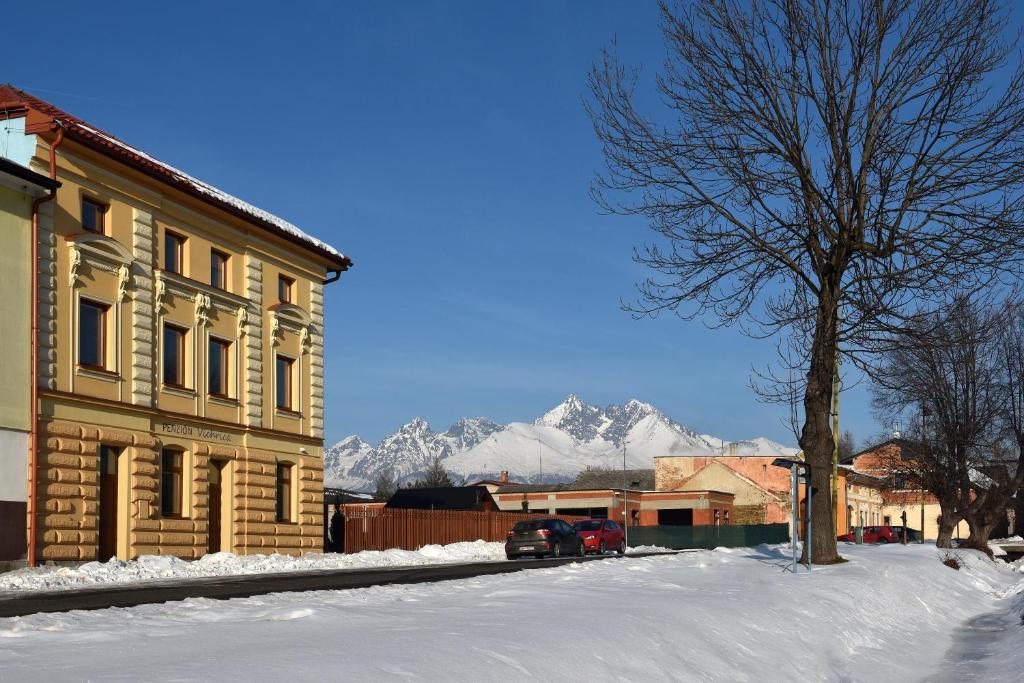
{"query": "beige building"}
pixel 20 189
pixel 180 366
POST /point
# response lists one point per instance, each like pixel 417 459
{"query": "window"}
pixel 93 214
pixel 284 382
pixel 218 367
pixel 92 334
pixel 174 252
pixel 284 288
pixel 174 356
pixel 170 482
pixel 218 269
pixel 284 492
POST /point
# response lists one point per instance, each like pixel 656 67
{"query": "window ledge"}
pixel 223 400
pixel 97 373
pixel 285 412
pixel 182 285
pixel 184 392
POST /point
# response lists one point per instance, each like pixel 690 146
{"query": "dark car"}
pixel 913 535
pixel 601 535
pixel 540 537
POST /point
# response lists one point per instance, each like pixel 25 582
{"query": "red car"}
pixel 601 535
pixel 874 534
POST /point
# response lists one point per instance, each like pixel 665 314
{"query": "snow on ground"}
pixel 891 613
pixel 157 568
pixel 153 567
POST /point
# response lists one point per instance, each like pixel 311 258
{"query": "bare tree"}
pixel 943 371
pixel 817 168
pixel 998 477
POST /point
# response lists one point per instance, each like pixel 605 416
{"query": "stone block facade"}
pixel 67 525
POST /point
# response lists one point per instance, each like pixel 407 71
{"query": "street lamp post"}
pixel 792 466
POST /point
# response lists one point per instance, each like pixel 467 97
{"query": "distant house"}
pixel 444 498
pixel 491 485
pixel 601 494
pixel 901 495
pixel 763 492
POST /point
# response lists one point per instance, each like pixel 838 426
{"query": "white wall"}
pixel 13 466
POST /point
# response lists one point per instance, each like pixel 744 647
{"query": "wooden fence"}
pixel 380 529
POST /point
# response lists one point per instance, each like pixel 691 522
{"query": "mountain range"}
pixel 568 438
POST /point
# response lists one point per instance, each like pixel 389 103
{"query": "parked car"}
pixel 879 534
pixel 913 535
pixel 540 537
pixel 601 535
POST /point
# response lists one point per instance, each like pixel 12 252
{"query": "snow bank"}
pixel 153 567
pixel 890 613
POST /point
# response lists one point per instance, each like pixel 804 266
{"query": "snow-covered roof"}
pixel 108 144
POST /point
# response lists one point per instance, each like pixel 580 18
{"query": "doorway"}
pixel 217 506
pixel 107 523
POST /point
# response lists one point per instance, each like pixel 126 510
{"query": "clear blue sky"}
pixel 444 147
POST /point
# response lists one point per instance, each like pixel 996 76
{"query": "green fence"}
pixel 709 536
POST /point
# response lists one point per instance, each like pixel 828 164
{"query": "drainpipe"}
pixel 333 277
pixel 33 438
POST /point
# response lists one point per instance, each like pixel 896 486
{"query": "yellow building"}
pixel 180 357
pixel 20 189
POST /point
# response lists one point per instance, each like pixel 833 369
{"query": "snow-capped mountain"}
pixel 556 447
pixel 758 446
pixel 354 464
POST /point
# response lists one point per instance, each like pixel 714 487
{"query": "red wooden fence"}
pixel 380 529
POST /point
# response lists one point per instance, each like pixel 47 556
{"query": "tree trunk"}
pixel 816 438
pixel 981 525
pixel 947 525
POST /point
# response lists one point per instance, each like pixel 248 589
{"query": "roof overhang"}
pixel 17 177
pixel 41 117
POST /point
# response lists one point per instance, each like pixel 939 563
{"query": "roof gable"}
pixel 443 498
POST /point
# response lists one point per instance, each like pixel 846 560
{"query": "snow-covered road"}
pixel 889 614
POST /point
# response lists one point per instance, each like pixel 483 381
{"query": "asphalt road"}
pixel 16 604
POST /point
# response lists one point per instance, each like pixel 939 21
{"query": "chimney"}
pixel 503 479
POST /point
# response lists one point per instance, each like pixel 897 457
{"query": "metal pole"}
pixel 835 440
pixel 809 541
pixel 924 432
pixel 796 505
pixel 540 462
pixel 625 507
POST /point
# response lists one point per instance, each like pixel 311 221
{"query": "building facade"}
pixel 764 493
pixel 20 189
pixel 890 461
pixel 180 372
pixel 640 508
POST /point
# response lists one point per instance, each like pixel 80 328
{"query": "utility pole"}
pixel 625 507
pixel 835 439
pixel 540 463
pixel 924 435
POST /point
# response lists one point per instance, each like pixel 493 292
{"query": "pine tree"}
pixel 846 446
pixel 385 485
pixel 436 476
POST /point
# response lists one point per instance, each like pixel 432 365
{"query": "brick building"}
pixel 601 494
